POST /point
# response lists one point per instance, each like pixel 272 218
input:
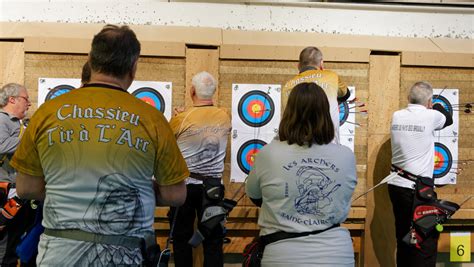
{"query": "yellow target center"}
pixel 436 161
pixel 256 108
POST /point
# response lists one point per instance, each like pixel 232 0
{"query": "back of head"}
pixel 306 119
pixel 310 56
pixel 420 93
pixel 205 85
pixel 86 73
pixel 7 91
pixel 114 51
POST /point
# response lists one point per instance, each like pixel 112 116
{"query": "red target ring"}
pixel 443 160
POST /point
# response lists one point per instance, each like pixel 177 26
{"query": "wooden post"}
pixel 384 95
pixel 197 60
pixel 12 63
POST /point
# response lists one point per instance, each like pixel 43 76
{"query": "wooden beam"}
pixel 83 46
pixel 384 88
pixel 411 58
pixel 279 52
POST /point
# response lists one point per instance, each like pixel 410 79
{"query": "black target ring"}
pixel 246 152
pixel 58 90
pixel 343 112
pixel 444 102
pixel 256 108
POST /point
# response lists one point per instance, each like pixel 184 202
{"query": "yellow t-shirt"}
pixel 202 133
pixel 98 148
pixel 332 86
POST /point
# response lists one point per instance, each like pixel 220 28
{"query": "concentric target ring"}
pixel 151 96
pixel 444 102
pixel 58 90
pixel 443 160
pixel 256 108
pixel 343 112
pixel 245 155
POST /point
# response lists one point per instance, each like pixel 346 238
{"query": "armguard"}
pixel 449 118
pixel 344 97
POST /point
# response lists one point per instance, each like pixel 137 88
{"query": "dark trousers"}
pixel 184 229
pixel 13 232
pixel 407 256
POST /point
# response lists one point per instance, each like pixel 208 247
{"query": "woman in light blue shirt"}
pixel 304 184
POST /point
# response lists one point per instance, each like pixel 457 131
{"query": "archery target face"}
pixel 244 147
pixel 157 94
pixel 256 107
pixel 246 154
pixel 449 99
pixel 150 96
pixel 58 90
pixel 347 119
pixel 443 160
pixel 439 99
pixel 446 140
pixel 49 88
pixel 343 112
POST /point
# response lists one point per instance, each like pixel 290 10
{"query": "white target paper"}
pixel 255 116
pixel 446 140
pixel 49 88
pixel 157 94
pixel 244 147
pixel 347 120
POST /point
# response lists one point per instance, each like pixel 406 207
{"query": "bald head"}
pixel 310 57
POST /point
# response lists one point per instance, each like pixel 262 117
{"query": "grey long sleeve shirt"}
pixel 9 140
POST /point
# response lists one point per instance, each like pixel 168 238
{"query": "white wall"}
pixel 320 18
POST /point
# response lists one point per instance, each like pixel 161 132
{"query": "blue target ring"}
pixel 343 112
pixel 58 90
pixel 443 160
pixel 256 108
pixel 150 96
pixel 245 155
pixel 444 102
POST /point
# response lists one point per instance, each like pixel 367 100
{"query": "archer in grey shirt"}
pixel 10 128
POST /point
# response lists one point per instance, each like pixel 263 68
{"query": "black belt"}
pixel 79 235
pixel 405 174
pixel 270 238
pixel 200 177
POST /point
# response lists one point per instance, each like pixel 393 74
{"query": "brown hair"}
pixel 86 73
pixel 114 51
pixel 306 119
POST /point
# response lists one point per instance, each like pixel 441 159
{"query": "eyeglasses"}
pixel 24 98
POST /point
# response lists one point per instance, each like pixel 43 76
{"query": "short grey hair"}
pixel 204 84
pixel 9 90
pixel 420 93
pixel 310 56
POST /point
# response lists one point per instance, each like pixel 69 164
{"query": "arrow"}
pixel 387 179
